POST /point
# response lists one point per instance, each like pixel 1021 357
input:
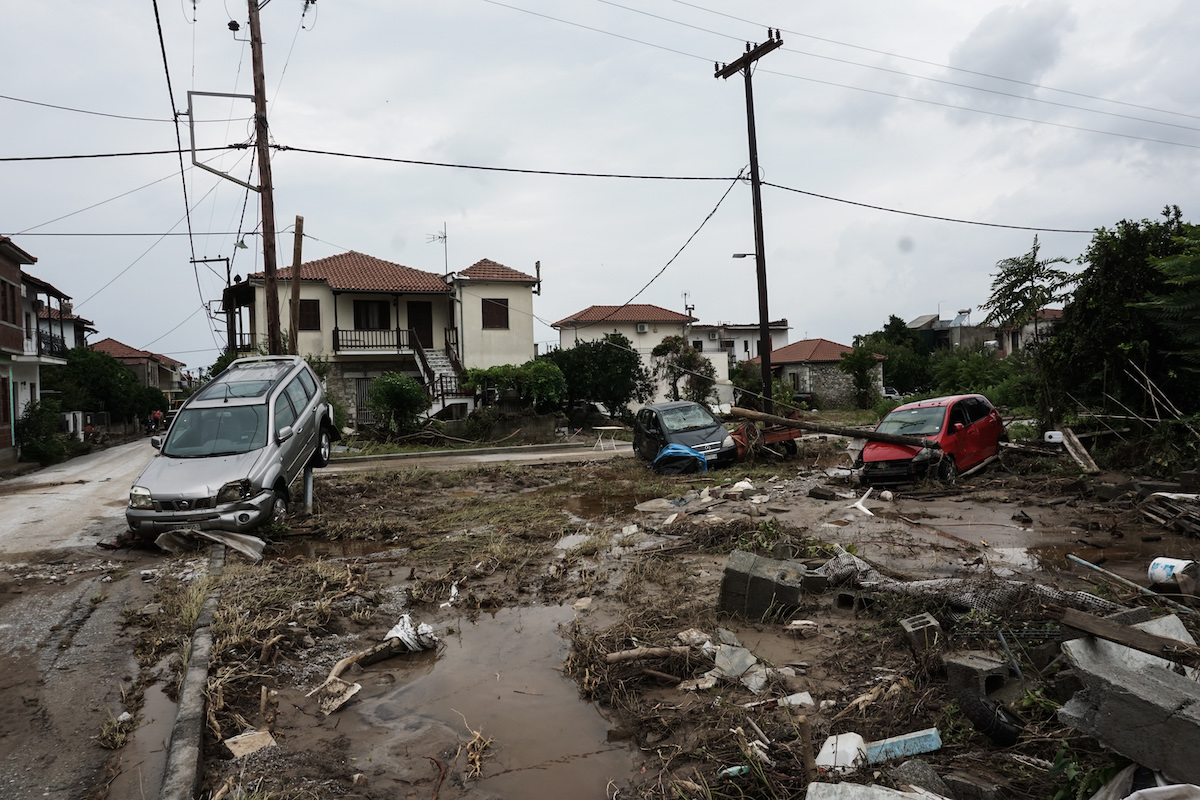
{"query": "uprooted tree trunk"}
pixel 853 433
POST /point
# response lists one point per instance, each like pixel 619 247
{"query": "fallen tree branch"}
pixel 646 652
pixel 853 433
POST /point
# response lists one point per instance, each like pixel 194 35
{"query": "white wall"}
pixel 494 347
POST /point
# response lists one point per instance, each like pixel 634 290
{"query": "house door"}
pixel 420 321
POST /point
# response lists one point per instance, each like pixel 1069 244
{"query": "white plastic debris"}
pixel 448 603
pixel 419 638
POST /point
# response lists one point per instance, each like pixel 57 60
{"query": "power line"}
pixel 127 154
pixel 925 216
pixel 942 66
pixel 101 113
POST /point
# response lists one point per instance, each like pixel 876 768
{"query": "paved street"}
pixel 72 504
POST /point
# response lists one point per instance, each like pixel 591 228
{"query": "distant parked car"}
pixel 234 448
pixel 890 393
pixel 806 399
pixel 967 427
pixel 686 423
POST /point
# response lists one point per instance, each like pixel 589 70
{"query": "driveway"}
pixel 73 504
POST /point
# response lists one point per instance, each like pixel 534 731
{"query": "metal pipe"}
pixel 1131 584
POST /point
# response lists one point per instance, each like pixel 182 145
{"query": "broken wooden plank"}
pixel 1161 646
pixel 1078 452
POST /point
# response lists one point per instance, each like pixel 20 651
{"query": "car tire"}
pixel 988 717
pixel 279 506
pixel 324 450
pixel 947 471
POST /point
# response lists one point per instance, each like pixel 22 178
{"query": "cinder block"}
pixel 924 632
pixel 968 787
pixel 754 586
pixel 853 600
pixel 975 668
pixel 815 583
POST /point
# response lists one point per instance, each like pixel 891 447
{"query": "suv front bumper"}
pixel 239 517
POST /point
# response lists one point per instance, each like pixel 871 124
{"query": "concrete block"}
pixel 754 586
pixel 814 583
pixel 975 668
pixel 916 772
pixel 1136 704
pixel 924 632
pixel 967 787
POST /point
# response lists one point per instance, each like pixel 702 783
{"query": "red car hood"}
pixel 879 451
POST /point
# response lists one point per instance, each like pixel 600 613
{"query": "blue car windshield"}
pixel 922 421
pixel 223 431
pixel 687 418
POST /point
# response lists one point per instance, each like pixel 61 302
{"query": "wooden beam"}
pixel 1079 452
pixel 1162 646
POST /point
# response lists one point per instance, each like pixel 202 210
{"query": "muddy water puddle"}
pixel 144 758
pixel 499 676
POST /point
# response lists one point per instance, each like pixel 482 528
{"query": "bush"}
pixel 40 434
pixel 397 400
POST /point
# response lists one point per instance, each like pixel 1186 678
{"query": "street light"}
pixel 744 255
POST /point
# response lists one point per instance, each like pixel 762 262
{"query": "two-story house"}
pixel 64 325
pixel 645 326
pixel 12 338
pixel 740 342
pixel 368 316
pixel 40 348
pixel 152 369
pixel 811 366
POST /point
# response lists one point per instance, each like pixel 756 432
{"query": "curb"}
pixel 185 752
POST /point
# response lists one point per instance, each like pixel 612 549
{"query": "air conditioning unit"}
pixel 712 335
pixel 38 305
pixel 643 327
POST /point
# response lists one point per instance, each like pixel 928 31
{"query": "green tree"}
pixel 1106 328
pixel 907 361
pixel 539 382
pixel 687 373
pixel 1023 286
pixel 859 364
pixel 1178 308
pixel 607 371
pixel 95 381
pixel 396 400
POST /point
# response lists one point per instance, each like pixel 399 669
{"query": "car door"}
pixel 305 426
pixel 650 441
pixel 957 439
pixel 285 417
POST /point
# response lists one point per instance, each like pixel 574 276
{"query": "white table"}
pixel 611 443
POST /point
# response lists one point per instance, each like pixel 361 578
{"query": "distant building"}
pixel 740 342
pixel 811 366
pixel 1010 339
pixel 154 370
pixel 952 333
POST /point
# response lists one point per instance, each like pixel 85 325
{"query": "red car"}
pixel 967 427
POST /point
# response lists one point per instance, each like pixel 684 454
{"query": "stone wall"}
pixel 832 387
pixel 342 381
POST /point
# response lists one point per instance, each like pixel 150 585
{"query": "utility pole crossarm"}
pixel 751 55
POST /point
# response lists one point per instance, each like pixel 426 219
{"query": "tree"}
pixel 907 362
pixel 608 371
pixel 687 373
pixel 1106 328
pixel 1178 307
pixel 95 381
pixel 859 364
pixel 1023 286
pixel 539 382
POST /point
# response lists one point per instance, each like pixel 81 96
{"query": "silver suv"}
pixel 233 450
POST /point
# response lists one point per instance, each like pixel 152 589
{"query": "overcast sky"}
pixel 1050 114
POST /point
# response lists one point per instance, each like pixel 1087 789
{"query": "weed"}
pixel 114 733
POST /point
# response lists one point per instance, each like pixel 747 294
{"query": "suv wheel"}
pixel 279 508
pixel 321 455
pixel 947 471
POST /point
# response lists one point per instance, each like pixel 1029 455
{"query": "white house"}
pixel 368 316
pixel 645 326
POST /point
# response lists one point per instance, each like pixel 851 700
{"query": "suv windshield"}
pixel 222 431
pixel 687 418
pixel 924 421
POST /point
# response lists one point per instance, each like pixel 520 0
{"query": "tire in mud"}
pixel 947 471
pixel 988 717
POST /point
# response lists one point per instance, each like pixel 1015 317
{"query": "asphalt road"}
pixel 74 504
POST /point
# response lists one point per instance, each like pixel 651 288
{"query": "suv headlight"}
pixel 234 491
pixel 727 442
pixel 139 497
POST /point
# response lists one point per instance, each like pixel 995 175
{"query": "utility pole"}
pixel 743 65
pixel 294 339
pixel 274 339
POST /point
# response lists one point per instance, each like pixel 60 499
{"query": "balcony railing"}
pixel 51 345
pixel 354 339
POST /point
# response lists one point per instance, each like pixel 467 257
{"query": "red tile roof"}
pixel 808 350
pixel 54 313
pixel 357 272
pixel 120 350
pixel 638 312
pixel 488 270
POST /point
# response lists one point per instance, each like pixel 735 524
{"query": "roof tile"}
pixel 488 270
pixel 636 312
pixel 358 272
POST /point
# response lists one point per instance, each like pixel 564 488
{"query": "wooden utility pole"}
pixel 274 339
pixel 743 65
pixel 297 246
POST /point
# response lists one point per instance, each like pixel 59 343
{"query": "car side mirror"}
pixel 156 442
pixel 958 426
pixel 286 432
